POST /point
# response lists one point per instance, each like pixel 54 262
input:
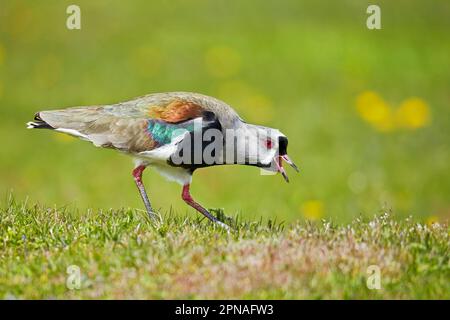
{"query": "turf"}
pixel 122 254
pixel 296 65
pixel 367 117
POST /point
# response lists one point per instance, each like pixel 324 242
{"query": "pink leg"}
pixel 186 195
pixel 137 174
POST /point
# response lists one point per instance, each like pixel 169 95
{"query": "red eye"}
pixel 269 144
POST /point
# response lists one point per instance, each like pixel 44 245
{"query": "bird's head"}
pixel 265 148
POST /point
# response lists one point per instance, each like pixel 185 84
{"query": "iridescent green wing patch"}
pixel 163 132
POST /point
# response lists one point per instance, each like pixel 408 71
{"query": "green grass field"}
pixel 366 113
pixel 122 255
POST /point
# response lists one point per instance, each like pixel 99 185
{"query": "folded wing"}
pixel 135 126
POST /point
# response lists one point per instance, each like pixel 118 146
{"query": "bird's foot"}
pixel 223 225
pixel 153 215
pixel 219 217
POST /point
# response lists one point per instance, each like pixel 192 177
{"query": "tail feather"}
pixel 38 123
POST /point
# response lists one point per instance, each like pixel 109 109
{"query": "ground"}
pixel 366 111
pixel 122 254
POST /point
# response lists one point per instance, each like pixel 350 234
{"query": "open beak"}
pixel 279 164
pixel 288 160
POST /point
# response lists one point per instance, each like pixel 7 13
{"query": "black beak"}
pixel 282 149
pixel 290 162
pixel 279 163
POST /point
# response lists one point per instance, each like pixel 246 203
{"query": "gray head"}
pixel 263 147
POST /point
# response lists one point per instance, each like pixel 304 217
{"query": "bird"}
pixel 175 133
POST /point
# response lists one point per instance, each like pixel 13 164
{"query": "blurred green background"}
pixel 366 111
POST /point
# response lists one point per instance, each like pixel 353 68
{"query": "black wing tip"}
pixel 38 123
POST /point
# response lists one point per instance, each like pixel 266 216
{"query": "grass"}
pixel 366 113
pixel 298 65
pixel 121 254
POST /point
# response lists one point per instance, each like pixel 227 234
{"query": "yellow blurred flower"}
pixel 312 209
pixel 222 61
pixel 413 113
pixel 432 220
pixel 374 110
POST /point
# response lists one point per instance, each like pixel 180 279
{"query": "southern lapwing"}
pixel 175 133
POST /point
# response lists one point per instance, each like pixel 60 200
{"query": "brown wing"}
pixel 176 111
pixel 123 126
